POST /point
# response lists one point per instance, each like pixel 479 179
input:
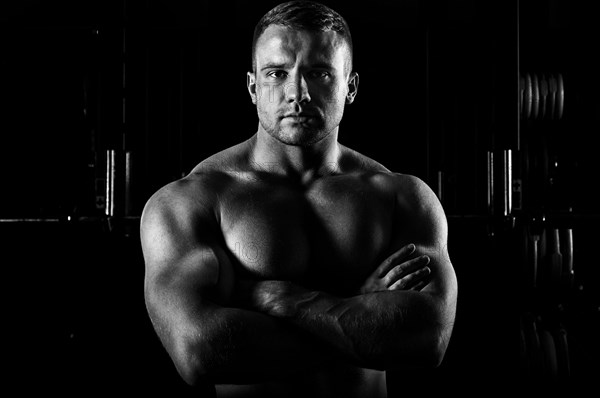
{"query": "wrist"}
pixel 272 297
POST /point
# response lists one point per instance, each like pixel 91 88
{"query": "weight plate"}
pixel 552 91
pixel 561 96
pixel 543 96
pixel 566 248
pixel 535 96
pixel 521 92
pixel 562 352
pixel 528 96
pixel 548 352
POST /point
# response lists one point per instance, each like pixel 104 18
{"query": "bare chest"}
pixel 329 237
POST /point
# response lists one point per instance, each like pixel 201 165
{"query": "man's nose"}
pixel 297 90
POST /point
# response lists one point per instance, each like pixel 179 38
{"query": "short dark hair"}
pixel 303 15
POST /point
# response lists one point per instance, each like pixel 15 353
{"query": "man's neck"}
pixel 303 163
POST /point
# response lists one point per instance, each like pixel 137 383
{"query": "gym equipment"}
pixel 521 93
pixel 541 96
pixel 548 349
pixel 528 96
pixel 534 256
pixel 553 91
pixel 546 245
pixel 554 261
pixel 561 96
pixel 566 239
pixel 532 343
pixel 535 97
pixel 562 352
pixel 111 171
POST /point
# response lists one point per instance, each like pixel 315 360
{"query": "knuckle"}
pixel 388 281
pixel 388 262
pixel 394 275
pixel 398 269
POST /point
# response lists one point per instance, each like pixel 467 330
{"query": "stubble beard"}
pixel 304 135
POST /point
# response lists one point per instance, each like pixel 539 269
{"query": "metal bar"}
pixel 28 220
pixel 110 182
pixel 507 182
pixel 490 182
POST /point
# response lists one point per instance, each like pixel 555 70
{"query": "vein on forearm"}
pixel 366 329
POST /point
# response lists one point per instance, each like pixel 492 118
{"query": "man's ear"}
pixel 251 84
pixel 352 87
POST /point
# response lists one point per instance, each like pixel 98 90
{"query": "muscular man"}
pixel 290 265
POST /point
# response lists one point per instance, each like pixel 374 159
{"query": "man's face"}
pixel 301 83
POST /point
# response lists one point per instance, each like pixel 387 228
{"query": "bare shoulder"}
pixel 197 193
pixel 228 161
pixel 178 199
pixel 418 212
pixel 414 193
pixel 170 221
pixel 352 161
pixel 418 205
pixel 420 219
pixel 410 190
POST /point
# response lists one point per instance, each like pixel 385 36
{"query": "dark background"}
pixel 164 81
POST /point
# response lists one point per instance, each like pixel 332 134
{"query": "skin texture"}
pixel 289 263
pixel 304 77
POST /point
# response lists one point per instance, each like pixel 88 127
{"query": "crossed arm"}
pixel 378 330
pixel 225 332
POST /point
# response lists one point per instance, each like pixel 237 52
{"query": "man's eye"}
pixel 320 74
pixel 277 74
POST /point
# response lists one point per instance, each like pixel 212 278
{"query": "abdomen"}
pixel 346 382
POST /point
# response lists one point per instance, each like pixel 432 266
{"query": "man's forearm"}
pixel 247 347
pixel 377 330
pixel 223 344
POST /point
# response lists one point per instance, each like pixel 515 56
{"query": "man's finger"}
pixel 412 281
pixel 392 260
pixel 403 270
pixel 420 284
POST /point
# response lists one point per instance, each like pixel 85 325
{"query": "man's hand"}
pixel 399 272
pixel 266 296
pixel 363 328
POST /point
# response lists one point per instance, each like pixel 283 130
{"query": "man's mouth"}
pixel 299 117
